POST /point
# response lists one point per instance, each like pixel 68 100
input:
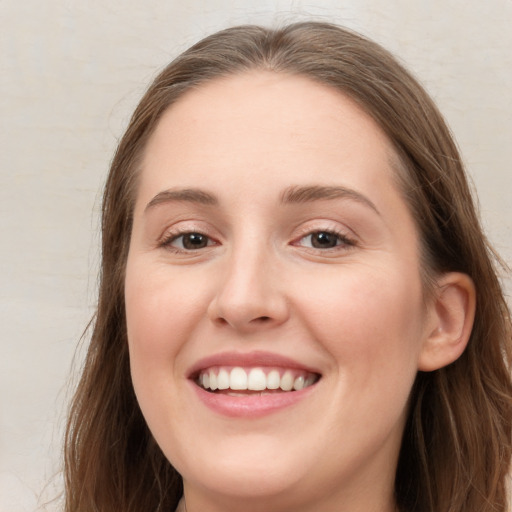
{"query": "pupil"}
pixel 194 241
pixel 323 240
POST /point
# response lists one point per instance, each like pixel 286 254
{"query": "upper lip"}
pixel 250 360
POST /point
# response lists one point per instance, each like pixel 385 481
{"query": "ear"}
pixel 451 316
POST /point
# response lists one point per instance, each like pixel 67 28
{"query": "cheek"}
pixel 161 309
pixel 159 322
pixel 371 323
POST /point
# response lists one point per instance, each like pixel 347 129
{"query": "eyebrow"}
pixel 291 195
pixel 310 193
pixel 191 195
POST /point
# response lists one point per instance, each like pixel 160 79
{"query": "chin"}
pixel 253 470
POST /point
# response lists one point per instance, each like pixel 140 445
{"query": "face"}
pixel 274 304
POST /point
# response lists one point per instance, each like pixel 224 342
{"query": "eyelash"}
pixel 343 242
pixel 168 239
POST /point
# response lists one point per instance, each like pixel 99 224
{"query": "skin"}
pixel 355 312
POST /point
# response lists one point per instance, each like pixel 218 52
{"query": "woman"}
pixel 298 309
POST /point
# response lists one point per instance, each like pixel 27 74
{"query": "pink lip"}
pixel 250 406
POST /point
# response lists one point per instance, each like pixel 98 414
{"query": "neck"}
pixel 195 503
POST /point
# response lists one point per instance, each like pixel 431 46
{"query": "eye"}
pixel 324 240
pixel 190 241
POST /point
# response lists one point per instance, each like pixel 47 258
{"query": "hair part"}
pixel 456 447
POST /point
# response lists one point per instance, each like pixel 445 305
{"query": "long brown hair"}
pixel 457 444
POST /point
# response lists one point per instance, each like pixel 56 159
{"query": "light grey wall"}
pixel 70 73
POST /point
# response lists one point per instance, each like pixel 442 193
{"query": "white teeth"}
pixel 287 381
pixel 223 379
pixel 273 380
pixel 255 379
pixel 238 379
pixel 298 383
pixel 213 381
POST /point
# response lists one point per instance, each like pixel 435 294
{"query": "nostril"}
pixel 260 319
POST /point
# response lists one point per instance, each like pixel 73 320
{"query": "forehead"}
pixel 260 122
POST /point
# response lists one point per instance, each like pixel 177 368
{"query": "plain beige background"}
pixel 70 74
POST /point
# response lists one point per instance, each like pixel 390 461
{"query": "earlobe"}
pixel 451 321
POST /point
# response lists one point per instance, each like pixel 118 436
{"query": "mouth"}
pixel 251 385
pixel 245 381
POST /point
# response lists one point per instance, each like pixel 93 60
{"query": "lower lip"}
pixel 250 406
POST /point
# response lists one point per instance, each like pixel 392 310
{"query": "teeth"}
pixel 273 380
pixel 298 383
pixel 308 382
pixel 213 381
pixel 223 379
pixel 255 379
pixel 238 379
pixel 287 381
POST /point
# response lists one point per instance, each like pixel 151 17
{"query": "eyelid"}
pixel 345 241
pixel 172 239
pixel 346 235
pixel 183 228
pixel 317 225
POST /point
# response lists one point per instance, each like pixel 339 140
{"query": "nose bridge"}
pixel 248 292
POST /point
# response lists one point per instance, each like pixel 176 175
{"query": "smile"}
pixel 256 380
pixel 251 385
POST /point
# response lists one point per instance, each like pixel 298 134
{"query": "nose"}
pixel 249 295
